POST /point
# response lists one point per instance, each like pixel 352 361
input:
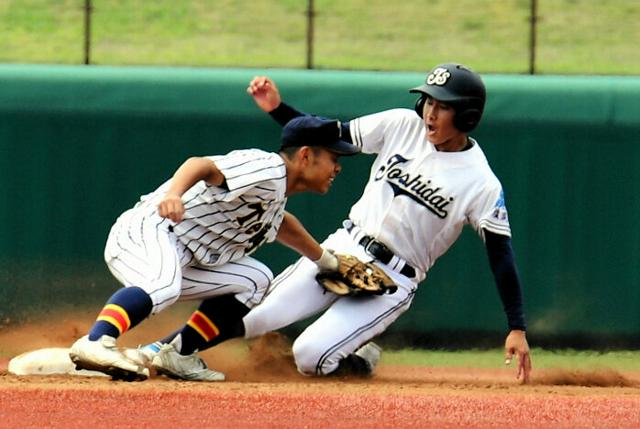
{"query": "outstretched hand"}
pixel 516 343
pixel 265 93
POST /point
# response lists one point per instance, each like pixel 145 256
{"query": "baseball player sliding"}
pixel 428 180
pixel 192 237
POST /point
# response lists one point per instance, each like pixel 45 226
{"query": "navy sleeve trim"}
pixel 284 113
pixel 505 273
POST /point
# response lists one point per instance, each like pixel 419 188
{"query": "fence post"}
pixel 87 31
pixel 532 36
pixel 310 18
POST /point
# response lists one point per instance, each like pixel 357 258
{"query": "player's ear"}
pixel 304 154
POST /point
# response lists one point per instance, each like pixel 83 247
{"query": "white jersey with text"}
pixel 416 202
pixel 418 199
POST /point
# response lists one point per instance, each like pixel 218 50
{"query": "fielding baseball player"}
pixel 192 237
pixel 428 180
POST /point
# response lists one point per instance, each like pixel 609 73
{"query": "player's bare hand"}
pixel 172 208
pixel 516 344
pixel 265 93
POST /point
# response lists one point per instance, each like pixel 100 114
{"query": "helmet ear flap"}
pixel 467 119
pixel 420 105
pixel 464 120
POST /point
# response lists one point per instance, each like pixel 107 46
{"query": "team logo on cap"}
pixel 439 76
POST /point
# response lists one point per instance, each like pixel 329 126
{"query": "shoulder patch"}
pixel 500 208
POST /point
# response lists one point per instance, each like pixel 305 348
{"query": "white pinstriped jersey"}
pixel 224 224
pixel 418 199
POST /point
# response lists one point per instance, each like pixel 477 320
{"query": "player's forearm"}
pixel 284 113
pixel 504 270
pixel 294 235
pixel 191 172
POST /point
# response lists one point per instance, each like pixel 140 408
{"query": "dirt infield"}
pixel 264 391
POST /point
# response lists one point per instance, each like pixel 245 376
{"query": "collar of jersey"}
pixel 465 157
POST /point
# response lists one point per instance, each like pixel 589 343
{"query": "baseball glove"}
pixel 356 278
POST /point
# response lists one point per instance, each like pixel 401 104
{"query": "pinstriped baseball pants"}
pixel 141 251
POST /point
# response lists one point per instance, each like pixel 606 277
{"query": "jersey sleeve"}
pixel 490 212
pixel 503 266
pixel 284 113
pixel 246 170
pixel 371 132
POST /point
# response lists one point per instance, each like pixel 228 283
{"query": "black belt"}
pixel 381 252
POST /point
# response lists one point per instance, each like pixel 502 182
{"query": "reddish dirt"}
pixel 264 390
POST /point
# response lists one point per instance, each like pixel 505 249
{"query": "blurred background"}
pixel 496 36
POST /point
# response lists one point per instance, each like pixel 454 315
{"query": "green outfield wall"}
pixel 79 145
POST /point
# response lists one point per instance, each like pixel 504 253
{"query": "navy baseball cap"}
pixel 310 130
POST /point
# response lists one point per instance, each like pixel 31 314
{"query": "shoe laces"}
pixel 197 360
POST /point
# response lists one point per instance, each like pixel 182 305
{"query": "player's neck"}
pixel 293 175
pixel 456 144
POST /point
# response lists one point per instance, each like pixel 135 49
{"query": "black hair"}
pixel 290 151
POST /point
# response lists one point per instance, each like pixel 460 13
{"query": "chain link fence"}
pixel 495 36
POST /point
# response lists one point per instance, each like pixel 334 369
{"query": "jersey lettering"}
pixel 258 229
pixel 258 238
pixel 421 191
pixel 257 212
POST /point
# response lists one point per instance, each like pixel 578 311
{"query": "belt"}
pixel 380 251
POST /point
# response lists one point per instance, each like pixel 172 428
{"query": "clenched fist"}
pixel 171 207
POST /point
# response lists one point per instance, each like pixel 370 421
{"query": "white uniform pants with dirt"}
pixel 346 324
pixel 142 251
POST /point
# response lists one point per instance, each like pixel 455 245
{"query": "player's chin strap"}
pixel 379 250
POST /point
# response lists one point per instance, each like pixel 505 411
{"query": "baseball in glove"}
pixel 356 278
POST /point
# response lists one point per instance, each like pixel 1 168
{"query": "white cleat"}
pixel 191 368
pixel 103 355
pixel 371 353
pixel 142 355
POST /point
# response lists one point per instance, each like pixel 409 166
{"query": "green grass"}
pixel 574 36
pixel 542 359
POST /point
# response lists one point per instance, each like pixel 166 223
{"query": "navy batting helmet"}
pixel 458 86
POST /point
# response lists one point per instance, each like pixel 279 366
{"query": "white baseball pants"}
pixel 142 251
pixel 347 322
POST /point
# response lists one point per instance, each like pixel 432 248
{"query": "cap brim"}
pixel 435 91
pixel 343 148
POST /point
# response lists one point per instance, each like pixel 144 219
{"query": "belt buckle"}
pixel 366 242
pixel 380 251
pixel 383 254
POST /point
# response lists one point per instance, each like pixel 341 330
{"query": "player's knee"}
pixel 262 285
pixel 162 297
pixel 305 357
pixel 311 359
pixel 159 306
pixel 257 290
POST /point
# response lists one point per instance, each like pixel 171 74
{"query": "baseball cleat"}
pixel 191 368
pixel 371 353
pixel 103 355
pixel 142 355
